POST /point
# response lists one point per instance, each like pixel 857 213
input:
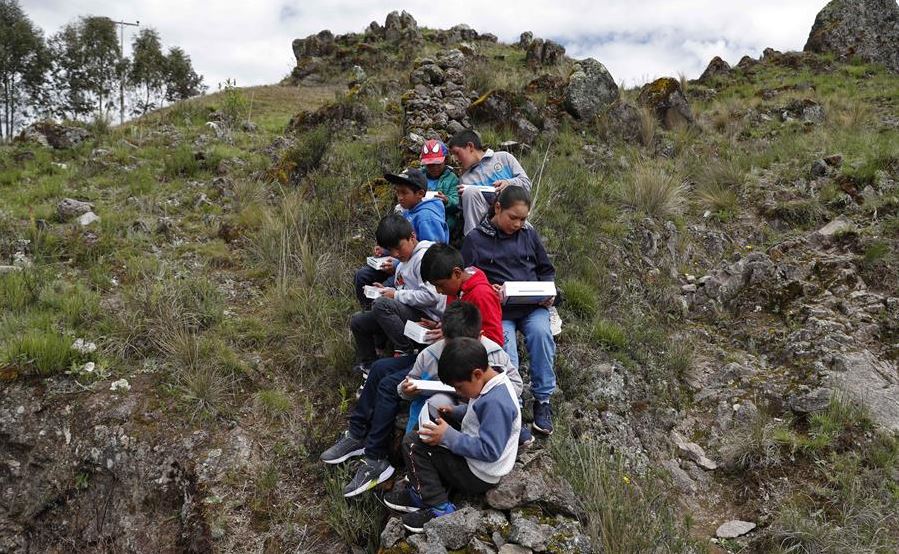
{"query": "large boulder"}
pixel 867 29
pixel 401 27
pixel 314 46
pixel 591 89
pixel 666 100
pixel 716 68
pixel 544 52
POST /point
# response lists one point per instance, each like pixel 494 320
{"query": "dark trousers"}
pixel 434 470
pixel 366 275
pixel 375 412
pixel 387 318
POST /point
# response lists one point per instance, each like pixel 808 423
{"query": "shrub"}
pixel 653 191
pixel 307 153
pixel 757 445
pixel 623 515
pixel 580 298
pixel 609 335
pixel 41 352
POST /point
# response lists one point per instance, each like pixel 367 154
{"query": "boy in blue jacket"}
pixel 428 218
pixel 470 460
pixel 506 248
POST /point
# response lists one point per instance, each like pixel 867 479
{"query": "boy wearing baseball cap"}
pixel 428 217
pixel 443 181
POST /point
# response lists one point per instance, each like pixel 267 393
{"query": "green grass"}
pixel 580 298
pixel 41 352
pixel 609 335
pixel 626 513
pixel 273 403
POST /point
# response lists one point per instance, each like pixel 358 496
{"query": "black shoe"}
pixel 415 521
pixel 543 418
pixel 369 475
pixel 404 500
pixel 343 449
pixel 525 438
pixel 364 368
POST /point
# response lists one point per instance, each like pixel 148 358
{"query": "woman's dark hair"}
pixel 511 195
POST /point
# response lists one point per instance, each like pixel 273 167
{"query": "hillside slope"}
pixel 729 269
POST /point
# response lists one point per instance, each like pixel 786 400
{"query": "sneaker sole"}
pixel 414 529
pixel 541 431
pixel 528 443
pixel 385 475
pixel 400 508
pixel 345 457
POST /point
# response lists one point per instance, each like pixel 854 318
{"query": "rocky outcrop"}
pixel 437 105
pixel 665 98
pixel 544 52
pixel 54 135
pixel 865 29
pixel 716 68
pixel 590 90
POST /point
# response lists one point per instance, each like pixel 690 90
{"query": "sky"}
pixel 250 42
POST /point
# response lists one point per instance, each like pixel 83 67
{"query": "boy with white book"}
pixel 411 298
pixel 373 417
pixel 507 248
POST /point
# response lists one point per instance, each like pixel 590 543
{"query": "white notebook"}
pixel 376 262
pixel 429 385
pixel 417 332
pixel 526 292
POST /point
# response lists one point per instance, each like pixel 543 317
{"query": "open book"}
pixel 428 385
pixel 376 262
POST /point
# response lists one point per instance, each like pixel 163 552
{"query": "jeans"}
pixel 373 417
pixel 366 275
pixel 538 339
pixel 387 318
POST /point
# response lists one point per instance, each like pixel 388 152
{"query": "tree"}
pixel 24 64
pixel 148 67
pixel 87 66
pixel 182 81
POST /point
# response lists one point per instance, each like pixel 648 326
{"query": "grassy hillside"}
pixel 217 283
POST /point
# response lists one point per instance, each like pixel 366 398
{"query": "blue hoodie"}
pixel 428 218
pixel 516 257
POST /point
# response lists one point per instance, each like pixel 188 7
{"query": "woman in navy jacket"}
pixel 507 248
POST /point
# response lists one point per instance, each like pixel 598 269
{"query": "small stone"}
pixel 692 451
pixel 814 401
pixel 734 528
pixel 120 385
pixel 509 548
pixel 688 288
pixel 68 208
pixel 476 546
pixel 529 533
pixel 88 218
pixel 393 532
pixel 838 225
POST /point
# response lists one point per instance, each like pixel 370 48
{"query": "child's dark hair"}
pixel 392 229
pixel 461 319
pixel 512 195
pixel 439 261
pixel 462 138
pixel 459 360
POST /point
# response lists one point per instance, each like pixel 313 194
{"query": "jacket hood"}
pixel 434 206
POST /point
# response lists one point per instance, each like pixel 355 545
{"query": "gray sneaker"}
pixel 343 449
pixel 369 475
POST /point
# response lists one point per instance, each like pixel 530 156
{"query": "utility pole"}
pixel 121 25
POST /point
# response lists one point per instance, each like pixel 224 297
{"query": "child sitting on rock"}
pixel 428 218
pixel 507 248
pixel 482 167
pixel 444 182
pixel 472 460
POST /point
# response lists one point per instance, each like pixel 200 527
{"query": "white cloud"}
pixel 250 41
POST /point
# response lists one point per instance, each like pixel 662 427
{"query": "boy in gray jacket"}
pixel 471 460
pixel 483 168
pixel 412 299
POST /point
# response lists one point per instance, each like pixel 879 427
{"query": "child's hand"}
pixel 388 292
pixel 408 388
pixel 442 197
pixel 548 302
pixel 432 433
pixel 445 411
pixel 377 251
pixel 460 188
pixel 500 185
pixel 387 266
pixel 497 288
pixel 428 324
pixel 435 334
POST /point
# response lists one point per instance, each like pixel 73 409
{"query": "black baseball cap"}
pixel 412 177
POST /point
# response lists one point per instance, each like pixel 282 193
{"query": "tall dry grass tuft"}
pixel 653 191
